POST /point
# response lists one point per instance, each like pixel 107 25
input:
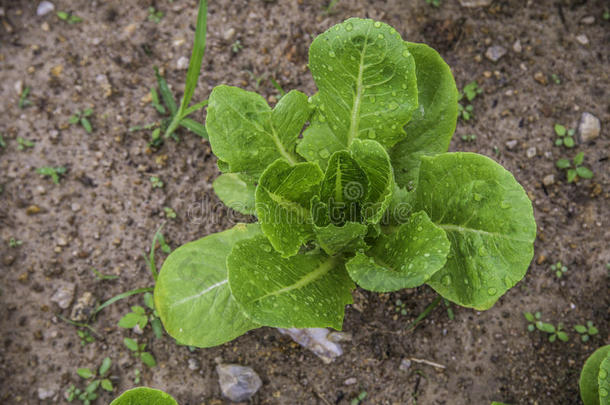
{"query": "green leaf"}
pixel 488 219
pixel 367 86
pixel 343 190
pixel 247 135
pixel 563 336
pixel 563 163
pixel 148 300
pixel 560 130
pixel 374 160
pixel 318 142
pixel 166 94
pixel 138 310
pixel 335 239
pixel 304 291
pixel 131 344
pixel 545 327
pixel 129 320
pixel 589 376
pixel 194 68
pixel 144 396
pixel 105 366
pixel 579 158
pixel 107 385
pixel 148 359
pixel 283 199
pixel 592 330
pixel 580 328
pixel 91 388
pixel 74 119
pixel 195 127
pixel 529 316
pixel 192 290
pixel 603 381
pixel 236 190
pixel 433 123
pixel 404 259
pixel 85 373
pixel 584 172
pixel 571 176
pixel 568 142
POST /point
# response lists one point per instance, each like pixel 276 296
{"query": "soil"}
pixel 104 212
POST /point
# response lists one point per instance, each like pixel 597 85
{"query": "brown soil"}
pixel 104 212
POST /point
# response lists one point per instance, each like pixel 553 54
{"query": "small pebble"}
pixel 589 127
pixel 531 152
pixel 405 364
pixel 83 308
pixel 45 7
pixel 512 144
pixel 587 20
pixel 75 207
pixel 350 381
pixel 548 180
pixel 541 78
pixel 182 63
pixel 582 39
pixel 229 34
pixel 45 393
pixel 494 53
pixel 32 210
pixel 45 26
pixel 64 295
pixel 238 383
pixel 194 364
pixel 517 46
pixel 475 3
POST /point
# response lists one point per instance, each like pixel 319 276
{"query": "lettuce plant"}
pixel 351 186
pixel 595 378
pixel 144 396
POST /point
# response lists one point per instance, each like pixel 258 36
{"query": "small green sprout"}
pixel 136 378
pixel 85 337
pixel 559 269
pixel 554 332
pixel 23 143
pixel 54 172
pixel 156 182
pixel 2 142
pixel 141 317
pixel 278 87
pixel 236 46
pixel 169 213
pixel 89 394
pixel 555 78
pixel 565 136
pixel 330 8
pixel 69 17
pixel 82 119
pixel 469 137
pixel 358 400
pixel 138 350
pixel 155 15
pixel 470 92
pixel 400 306
pixel 23 98
pixel 575 168
pixel 434 3
pixel 14 242
pixel 586 332
pixel 101 277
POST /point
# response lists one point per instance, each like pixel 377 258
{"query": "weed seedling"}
pixel 141 317
pixel 330 7
pixel 559 269
pixel 85 337
pixel 469 138
pixel 156 182
pixel 278 87
pixel 236 46
pixel 14 242
pixel 400 306
pixel 554 332
pixel 23 98
pixel 136 378
pixel 169 213
pixel 69 17
pixel 95 381
pixel 82 118
pixel 23 143
pixel 2 142
pixel 555 78
pixel 565 136
pixel 470 92
pixel 434 3
pixel 358 400
pixel 586 332
pixel 155 15
pixel 55 173
pixel 103 277
pixel 575 169
pixel 139 351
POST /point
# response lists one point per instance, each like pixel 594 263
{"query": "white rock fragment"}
pixel 582 39
pixel 517 47
pixel 45 7
pixel 548 180
pixel 475 3
pixel 238 383
pixel 494 53
pixel 589 127
pixel 588 20
pixel 510 145
pixel 317 340
pixel 45 393
pixel 530 152
pixel 229 34
pixel 350 381
pixel 64 295
pixel 182 63
pixel 405 364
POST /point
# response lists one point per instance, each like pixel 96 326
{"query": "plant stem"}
pixel 425 313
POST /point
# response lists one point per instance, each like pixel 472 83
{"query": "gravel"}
pixel 494 53
pixel 64 295
pixel 589 127
pixel 238 383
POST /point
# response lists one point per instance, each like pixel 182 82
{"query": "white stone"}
pixel 589 127
pixel 510 145
pixel 588 20
pixel 64 295
pixel 229 34
pixel 517 46
pixel 582 39
pixel 45 7
pixel 548 180
pixel 475 3
pixel 494 53
pixel 45 393
pixel 531 152
pixel 182 63
pixel 317 340
pixel 238 383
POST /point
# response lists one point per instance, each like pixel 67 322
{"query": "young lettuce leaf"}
pixel 308 290
pixel 488 219
pixel 404 259
pixel 247 135
pixel 236 190
pixel 367 87
pixel 144 396
pixel 283 199
pixel 592 378
pixel 192 293
pixel 335 239
pixel 433 124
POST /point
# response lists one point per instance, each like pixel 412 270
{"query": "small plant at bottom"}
pixel 400 306
pixel 55 173
pixel 82 118
pixel 470 92
pixel 139 351
pixel 169 213
pixel 469 137
pixel 90 392
pixel 14 242
pixel 23 143
pixel 586 332
pixel 236 46
pixel 69 17
pixel 434 3
pixel 565 136
pixel 594 381
pixel 156 182
pixel 23 98
pixel 575 169
pixel 559 269
pixel 358 400
pixel 85 337
pixel 155 15
pixel 555 332
pixel 139 316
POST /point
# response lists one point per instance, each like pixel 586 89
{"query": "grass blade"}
pixel 192 75
pixel 121 296
pixel 166 94
pixel 425 313
pixel 194 126
pixel 194 108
